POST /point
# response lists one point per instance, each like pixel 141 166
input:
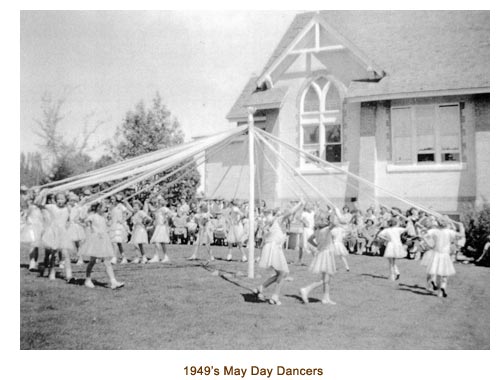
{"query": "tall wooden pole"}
pixel 251 194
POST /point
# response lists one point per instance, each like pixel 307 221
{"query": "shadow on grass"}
pixel 374 276
pixel 416 289
pixel 252 298
pixel 297 297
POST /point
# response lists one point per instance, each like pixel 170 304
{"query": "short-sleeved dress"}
pixel 324 261
pixel 56 235
pixel 98 242
pixel 307 219
pixel 75 229
pixel 118 230
pixel 32 228
pixel 235 233
pixel 394 248
pixel 206 232
pixel 272 253
pixel 339 249
pixel 439 261
pixel 139 233
pixel 161 233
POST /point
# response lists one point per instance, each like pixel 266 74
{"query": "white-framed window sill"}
pixel 455 167
pixel 313 170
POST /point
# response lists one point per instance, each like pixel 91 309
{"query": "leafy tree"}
pixel 70 165
pixel 147 130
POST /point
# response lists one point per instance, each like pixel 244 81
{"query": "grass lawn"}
pixel 186 305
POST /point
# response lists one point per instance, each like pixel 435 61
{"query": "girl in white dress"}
pixel 139 234
pixel 235 233
pixel 32 230
pixel 98 245
pixel 307 220
pixel 75 229
pixel 394 247
pixel 272 253
pixel 339 249
pixel 323 262
pixel 161 234
pixel 55 237
pixel 440 265
pixel 118 230
pixel 205 232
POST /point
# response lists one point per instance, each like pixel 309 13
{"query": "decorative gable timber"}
pixel 317 36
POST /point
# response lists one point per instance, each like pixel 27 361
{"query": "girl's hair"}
pixel 442 222
pixel 94 207
pixel 61 194
pixel 137 202
pixel 392 222
pixel 346 207
pixel 321 219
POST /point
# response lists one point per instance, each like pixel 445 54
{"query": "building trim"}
pixel 419 94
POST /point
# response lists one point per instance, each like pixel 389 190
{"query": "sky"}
pixel 108 61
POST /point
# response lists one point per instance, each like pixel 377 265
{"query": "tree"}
pixel 64 157
pixel 145 131
pixel 148 130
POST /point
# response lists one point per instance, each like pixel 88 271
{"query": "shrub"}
pixel 477 233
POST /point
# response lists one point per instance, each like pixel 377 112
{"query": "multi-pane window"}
pixel 426 134
pixel 320 121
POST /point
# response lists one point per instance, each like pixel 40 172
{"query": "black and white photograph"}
pixel 279 180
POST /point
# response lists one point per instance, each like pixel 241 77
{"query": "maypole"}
pixel 251 194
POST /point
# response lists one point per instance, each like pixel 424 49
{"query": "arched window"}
pixel 320 121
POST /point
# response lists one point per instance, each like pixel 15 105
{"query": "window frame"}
pixel 437 151
pixel 321 118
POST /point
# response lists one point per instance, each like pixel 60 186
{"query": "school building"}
pixel 400 98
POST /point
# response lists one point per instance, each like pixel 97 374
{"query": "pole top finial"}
pixel 251 110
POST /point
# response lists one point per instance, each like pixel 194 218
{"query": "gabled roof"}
pixel 420 51
pixel 261 100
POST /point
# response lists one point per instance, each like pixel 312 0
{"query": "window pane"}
pixel 314 150
pixel 332 101
pixel 333 153
pixel 332 133
pixel 450 157
pixel 311 101
pixel 425 157
pixel 424 124
pixel 449 127
pixel 311 134
pixel 401 124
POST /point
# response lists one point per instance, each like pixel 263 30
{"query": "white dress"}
pixel 206 232
pixel 32 227
pixel 272 253
pixel 394 248
pixel 323 261
pixel 307 219
pixel 118 230
pixel 139 233
pixel 97 243
pixel 161 233
pixel 75 229
pixel 56 235
pixel 439 262
pixel 236 233
pixel 339 249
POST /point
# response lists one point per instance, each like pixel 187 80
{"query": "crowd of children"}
pixel 65 225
